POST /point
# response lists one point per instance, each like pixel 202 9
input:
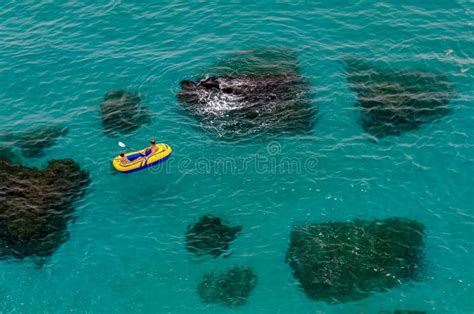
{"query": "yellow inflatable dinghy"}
pixel 142 159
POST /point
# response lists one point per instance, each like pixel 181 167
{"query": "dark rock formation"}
pixel 251 93
pixel 393 102
pixel 210 236
pixel 230 288
pixel 346 261
pixel 36 205
pixel 33 141
pixel 122 112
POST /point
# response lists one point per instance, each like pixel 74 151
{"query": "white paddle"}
pixel 121 144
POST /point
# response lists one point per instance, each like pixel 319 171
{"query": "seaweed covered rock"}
pixel 346 261
pixel 397 101
pixel 35 140
pixel 249 94
pixel 210 236
pixel 122 112
pixel 231 287
pixel 36 205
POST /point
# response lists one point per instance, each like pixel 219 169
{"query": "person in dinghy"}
pixel 150 150
pixel 123 158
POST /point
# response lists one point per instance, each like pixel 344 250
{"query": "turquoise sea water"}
pixel 126 249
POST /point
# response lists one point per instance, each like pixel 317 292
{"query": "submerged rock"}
pixel 231 288
pixel 251 93
pixel 35 140
pixel 122 112
pixel 7 154
pixel 36 205
pixel 394 102
pixel 210 236
pixel 346 261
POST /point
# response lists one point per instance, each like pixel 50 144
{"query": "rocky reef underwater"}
pixel 36 206
pixel 394 101
pixel 347 261
pixel 32 141
pixel 123 112
pixel 250 94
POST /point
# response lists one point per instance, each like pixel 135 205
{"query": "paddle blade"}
pixel 122 144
